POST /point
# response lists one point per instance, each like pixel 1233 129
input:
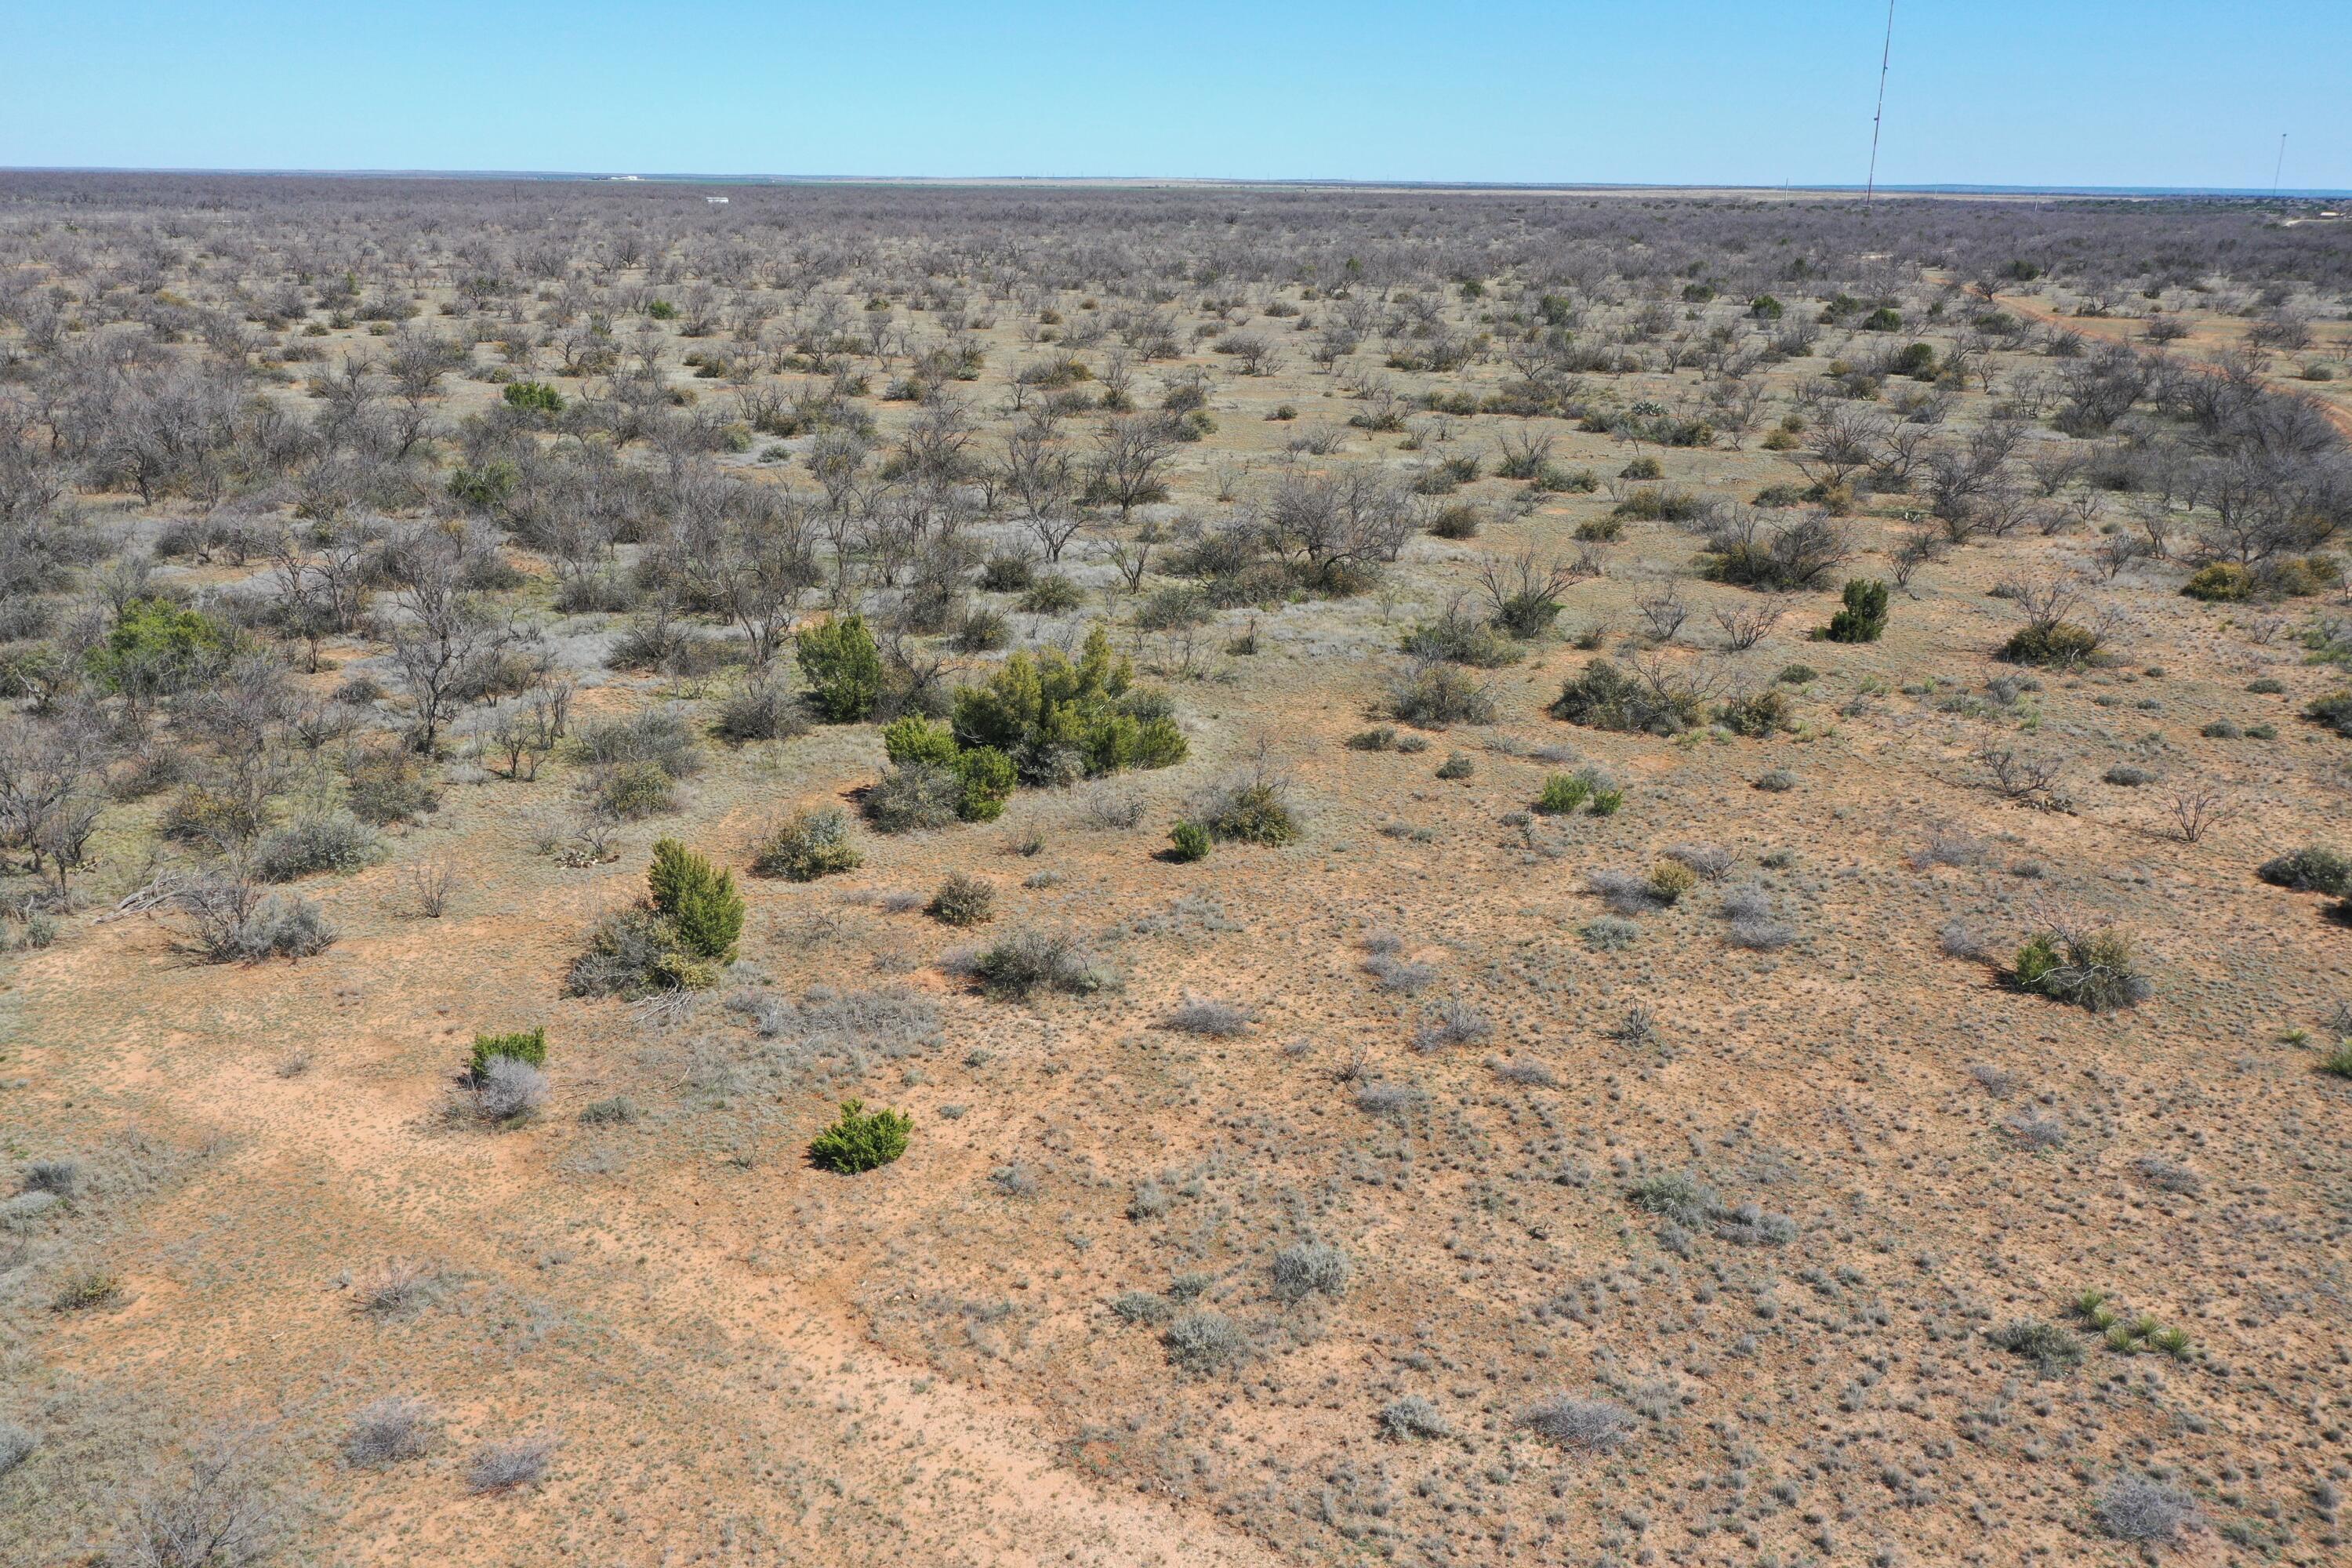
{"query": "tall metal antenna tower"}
pixel 2277 166
pixel 1885 53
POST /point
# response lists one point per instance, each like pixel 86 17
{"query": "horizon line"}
pixel 1297 182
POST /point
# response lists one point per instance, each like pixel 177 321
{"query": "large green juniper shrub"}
pixel 676 941
pixel 1059 719
pixel 698 899
pixel 843 668
pixel 861 1140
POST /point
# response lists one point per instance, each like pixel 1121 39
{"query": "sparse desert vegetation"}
pixel 1208 875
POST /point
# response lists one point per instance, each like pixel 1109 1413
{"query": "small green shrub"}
pixel 1435 694
pixel 2092 969
pixel 1053 594
pixel 2337 1062
pixel 1670 880
pixel 1862 618
pixel 526 1046
pixel 88 1294
pixel 1252 806
pixel 1563 794
pixel 1461 520
pixel 2311 869
pixel 2335 711
pixel 1457 765
pixel 1026 962
pixel 939 779
pixel 533 397
pixel 963 901
pixel 1007 573
pixel 1604 697
pixel 2060 643
pixel 2222 582
pixel 157 648
pixel 1758 715
pixel 861 1140
pixel 1189 841
pixel 808 845
pixel 1057 718
pixel 676 941
pixel 2049 1347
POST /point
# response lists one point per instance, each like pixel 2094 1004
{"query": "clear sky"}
pixel 2068 92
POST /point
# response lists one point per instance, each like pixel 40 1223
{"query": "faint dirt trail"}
pixel 1013 1501
pixel 994 1490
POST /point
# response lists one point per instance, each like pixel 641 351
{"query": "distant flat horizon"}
pixel 585 176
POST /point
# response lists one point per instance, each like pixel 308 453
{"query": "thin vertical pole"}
pixel 1885 53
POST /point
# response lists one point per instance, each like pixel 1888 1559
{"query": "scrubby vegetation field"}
pixel 1174 875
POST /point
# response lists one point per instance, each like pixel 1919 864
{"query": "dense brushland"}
pixel 1203 876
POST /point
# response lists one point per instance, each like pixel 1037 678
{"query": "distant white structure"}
pixel 716 201
pixel 627 178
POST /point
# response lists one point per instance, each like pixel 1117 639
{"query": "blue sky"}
pixel 2073 92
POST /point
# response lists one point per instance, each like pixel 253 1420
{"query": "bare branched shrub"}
pixel 1455 1023
pixel 1413 1416
pixel 2032 780
pixel 503 1466
pixel 2143 1511
pixel 430 882
pixel 398 1288
pixel 1215 1019
pixel 219 1513
pixel 388 1432
pixel 2197 812
pixel 1713 862
pixel 1582 1425
pixel 228 920
pixel 509 1089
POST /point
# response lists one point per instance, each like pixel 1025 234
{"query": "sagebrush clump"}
pixel 808 845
